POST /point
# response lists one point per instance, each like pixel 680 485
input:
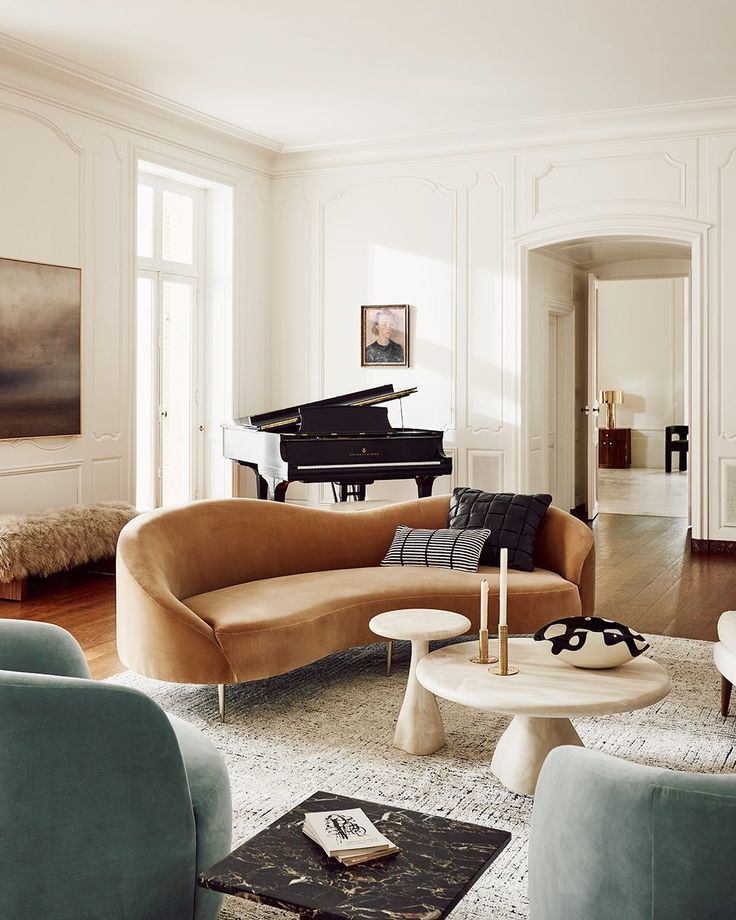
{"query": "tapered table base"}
pixel 419 728
pixel 522 748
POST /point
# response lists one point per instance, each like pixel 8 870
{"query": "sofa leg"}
pixel 389 653
pixel 221 700
pixel 726 686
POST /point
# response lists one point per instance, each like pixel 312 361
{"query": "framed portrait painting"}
pixel 384 339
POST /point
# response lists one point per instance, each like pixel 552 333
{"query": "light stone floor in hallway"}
pixel 643 491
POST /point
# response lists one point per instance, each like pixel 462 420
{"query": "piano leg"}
pixel 424 485
pixel 262 485
pixel 279 492
pixel 354 490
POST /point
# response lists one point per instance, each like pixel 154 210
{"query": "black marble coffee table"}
pixel 439 862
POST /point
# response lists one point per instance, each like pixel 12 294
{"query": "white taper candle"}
pixel 484 604
pixel 503 590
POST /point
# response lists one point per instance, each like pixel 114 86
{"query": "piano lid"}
pixel 283 418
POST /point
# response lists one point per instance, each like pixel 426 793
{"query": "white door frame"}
pixel 565 397
pixel 692 232
pixel 592 404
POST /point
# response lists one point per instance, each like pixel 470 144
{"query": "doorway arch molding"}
pixel 677 230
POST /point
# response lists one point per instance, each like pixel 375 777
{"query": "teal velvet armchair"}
pixel 613 840
pixel 108 808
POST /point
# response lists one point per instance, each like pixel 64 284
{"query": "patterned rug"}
pixel 329 726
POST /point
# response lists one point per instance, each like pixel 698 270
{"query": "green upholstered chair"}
pixel 613 840
pixel 108 808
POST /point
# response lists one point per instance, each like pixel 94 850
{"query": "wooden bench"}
pixel 45 542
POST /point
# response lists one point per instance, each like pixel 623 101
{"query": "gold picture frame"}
pixel 384 335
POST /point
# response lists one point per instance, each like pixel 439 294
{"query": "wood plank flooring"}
pixel 646 577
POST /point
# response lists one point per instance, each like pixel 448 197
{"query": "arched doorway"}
pixel 693 234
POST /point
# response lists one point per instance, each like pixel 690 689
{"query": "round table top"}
pixel 419 623
pixel 545 686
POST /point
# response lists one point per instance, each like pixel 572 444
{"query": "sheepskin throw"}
pixel 52 541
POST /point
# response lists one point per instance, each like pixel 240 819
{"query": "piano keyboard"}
pixel 364 466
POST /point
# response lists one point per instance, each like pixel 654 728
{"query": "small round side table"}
pixel 419 728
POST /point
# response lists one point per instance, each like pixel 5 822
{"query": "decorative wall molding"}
pixel 615 162
pixel 106 475
pixel 726 186
pixel 728 492
pixel 480 327
pixel 63 136
pixel 486 469
pixel 35 487
pixel 108 243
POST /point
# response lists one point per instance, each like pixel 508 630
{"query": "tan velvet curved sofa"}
pixel 218 592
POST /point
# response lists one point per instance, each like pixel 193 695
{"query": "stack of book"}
pixel 347 835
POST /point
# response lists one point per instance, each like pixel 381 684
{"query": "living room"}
pixel 337 159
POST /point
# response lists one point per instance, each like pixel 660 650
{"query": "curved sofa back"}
pixel 213 544
pixel 208 545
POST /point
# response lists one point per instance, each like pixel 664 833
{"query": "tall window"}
pixel 180 339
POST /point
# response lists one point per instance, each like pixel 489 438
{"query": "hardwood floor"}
pixel 83 603
pixel 646 577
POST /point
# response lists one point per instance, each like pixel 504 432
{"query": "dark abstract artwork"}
pixel 40 360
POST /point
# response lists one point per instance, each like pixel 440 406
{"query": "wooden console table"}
pixel 614 448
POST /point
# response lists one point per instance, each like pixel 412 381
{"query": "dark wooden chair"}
pixel 675 440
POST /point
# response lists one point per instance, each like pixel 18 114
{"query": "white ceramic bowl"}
pixel 592 642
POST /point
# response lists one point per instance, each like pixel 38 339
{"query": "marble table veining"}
pixel 439 862
pixel 541 698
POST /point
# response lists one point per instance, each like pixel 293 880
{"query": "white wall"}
pixel 641 351
pixel 67 175
pixel 473 212
pixel 441 230
pixel 431 236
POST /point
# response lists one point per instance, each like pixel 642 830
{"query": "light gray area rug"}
pixel 329 726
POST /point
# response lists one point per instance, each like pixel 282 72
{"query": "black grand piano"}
pixel 345 440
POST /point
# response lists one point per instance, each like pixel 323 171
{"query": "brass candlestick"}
pixel 482 656
pixel 503 669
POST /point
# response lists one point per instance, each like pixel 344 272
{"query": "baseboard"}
pixel 714 546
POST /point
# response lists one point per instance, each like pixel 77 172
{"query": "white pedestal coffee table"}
pixel 541 697
pixel 419 728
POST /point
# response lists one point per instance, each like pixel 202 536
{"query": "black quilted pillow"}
pixel 512 519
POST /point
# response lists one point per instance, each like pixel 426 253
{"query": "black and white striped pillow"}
pixel 442 549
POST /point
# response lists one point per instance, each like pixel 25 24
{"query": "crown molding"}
pixel 51 77
pixel 706 116
pixel 61 72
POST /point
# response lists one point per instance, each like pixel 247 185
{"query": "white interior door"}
pixel 177 393
pixel 552 413
pixel 592 406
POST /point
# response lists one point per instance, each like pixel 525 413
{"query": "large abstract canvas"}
pixel 40 360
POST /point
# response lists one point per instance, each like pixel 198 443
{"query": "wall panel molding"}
pixel 553 190
pixel 485 373
pixel 726 320
pixel 36 487
pixel 486 469
pixel 106 478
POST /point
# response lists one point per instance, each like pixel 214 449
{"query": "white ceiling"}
pixel 317 72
